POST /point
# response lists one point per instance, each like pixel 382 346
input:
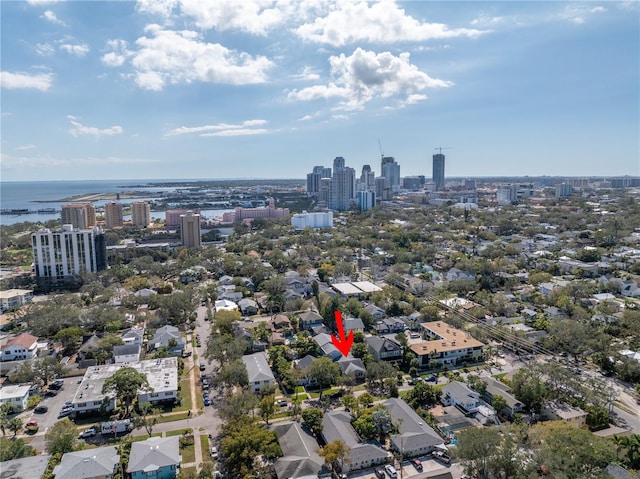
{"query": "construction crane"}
pixel 440 148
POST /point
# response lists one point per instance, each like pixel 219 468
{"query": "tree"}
pixel 126 383
pixel 5 410
pixel 39 371
pixel 14 425
pixel 224 320
pixel 237 404
pixel 324 371
pixel 14 448
pixel 377 372
pixel 69 337
pixel 312 417
pixel 147 418
pixel 335 453
pixel 423 395
pixel 233 373
pixel 499 403
pixel 475 448
pixel 528 387
pixel 267 407
pixel 62 437
pixel 381 421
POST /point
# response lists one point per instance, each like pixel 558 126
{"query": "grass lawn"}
pixel 179 432
pixel 145 437
pixel 188 454
pixel 173 417
pixel 499 376
pixel 185 392
pixel 204 444
pixel 188 471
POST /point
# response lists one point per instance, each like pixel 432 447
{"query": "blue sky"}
pixel 270 88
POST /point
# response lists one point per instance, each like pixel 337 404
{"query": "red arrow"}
pixel 343 344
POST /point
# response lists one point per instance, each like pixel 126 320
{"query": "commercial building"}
pixel 564 190
pixel 190 230
pixel 113 214
pixel 68 251
pixel 304 220
pixel 512 193
pixel 314 178
pixel 367 178
pixel 80 215
pixel 162 375
pixel 140 214
pixel 438 171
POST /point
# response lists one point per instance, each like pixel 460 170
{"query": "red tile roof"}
pixel 25 340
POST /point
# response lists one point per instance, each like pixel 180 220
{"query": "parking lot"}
pixel 408 470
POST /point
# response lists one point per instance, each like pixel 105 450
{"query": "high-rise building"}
pixel 172 217
pixel 79 215
pixel 366 200
pixel 113 214
pixel 140 214
pixel 563 190
pixel 69 251
pixel 390 169
pixel 313 179
pixel 367 178
pixel 304 220
pixel 343 186
pixel 382 189
pixel 438 171
pixel 190 230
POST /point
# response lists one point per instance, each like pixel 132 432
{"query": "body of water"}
pixel 34 195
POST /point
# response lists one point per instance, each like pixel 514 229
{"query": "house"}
pixel 309 320
pixel 248 307
pixel 630 288
pixel 98 463
pixel 89 346
pixel 459 394
pixel 126 353
pixel 225 305
pixel 133 336
pixel 258 371
pixel 353 324
pixel 22 346
pixel 16 395
pixel 300 458
pixel 498 388
pixel 390 325
pixel 352 366
pixel 145 293
pixel 529 314
pixel 14 298
pixel 32 467
pixel 225 280
pixel 415 437
pixel 546 288
pixel 303 365
pixel 555 313
pixel 232 295
pixel 168 337
pixel 336 425
pixel 384 349
pixel 559 411
pixel 446 345
pixel 323 340
pixel 454 274
pixel 156 457
pixel 375 311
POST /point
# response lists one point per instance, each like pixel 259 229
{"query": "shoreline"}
pixel 97 197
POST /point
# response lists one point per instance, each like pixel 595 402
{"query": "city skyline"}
pixel 182 89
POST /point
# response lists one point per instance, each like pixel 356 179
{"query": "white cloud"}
pixel 168 56
pixel 157 7
pixel 365 75
pixel 238 132
pixel 80 129
pixel 578 14
pixel 50 16
pixel 378 22
pixel 183 130
pixel 78 50
pixel 485 20
pixel 25 147
pixel 413 99
pixel 45 49
pixel 40 81
pixel 306 74
pixel 305 118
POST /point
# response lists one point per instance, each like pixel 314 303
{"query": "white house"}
pixel 126 353
pixel 15 395
pixel 258 371
pixel 23 346
pixel 14 298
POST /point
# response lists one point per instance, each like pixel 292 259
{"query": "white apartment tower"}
pixel 190 230
pixel 343 186
pixel 113 214
pixel 68 251
pixel 140 214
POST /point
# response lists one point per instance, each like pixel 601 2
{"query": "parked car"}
pixel 203 366
pixel 57 384
pixel 207 401
pixel 64 412
pixel 417 464
pixel 214 452
pixel 32 426
pixel 51 393
pixel 186 354
pixel 390 470
pixel 431 379
pixel 379 472
pixel 92 431
pixel 282 403
pixel 441 456
pixel 41 409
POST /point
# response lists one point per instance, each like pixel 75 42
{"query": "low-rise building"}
pixel 559 411
pixel 496 388
pixel 168 337
pixel 162 375
pixel 446 345
pixel 98 463
pixel 415 437
pixel 258 371
pixel 384 349
pixel 300 458
pixel 32 467
pixel 16 395
pixel 155 458
pixel 126 353
pixel 309 320
pixel 14 298
pixel 22 346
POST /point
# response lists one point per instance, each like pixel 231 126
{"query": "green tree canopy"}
pixel 126 383
pixel 62 437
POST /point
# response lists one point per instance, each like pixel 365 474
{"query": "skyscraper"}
pixel 69 251
pixel 367 178
pixel 190 230
pixel 390 169
pixel 140 214
pixel 79 215
pixel 113 214
pixel 343 186
pixel 438 171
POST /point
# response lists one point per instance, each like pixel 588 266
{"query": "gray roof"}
pixel 154 453
pixel 381 344
pixel 300 450
pixel 350 364
pixel 98 462
pixel 414 431
pixel 337 425
pixel 165 334
pixel 497 388
pixel 352 324
pixel 126 349
pixel 310 316
pixel 304 363
pixel 460 391
pixel 257 367
pixel 25 468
